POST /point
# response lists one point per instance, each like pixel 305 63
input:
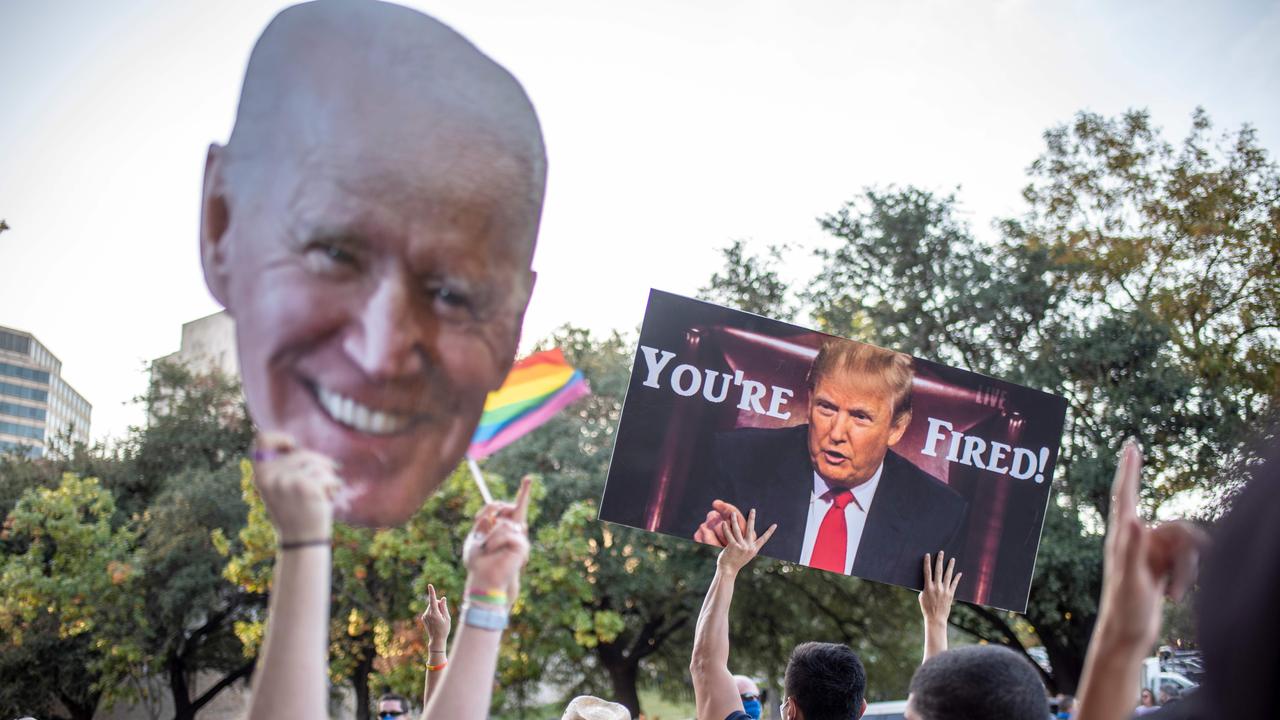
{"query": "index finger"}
pixel 1124 489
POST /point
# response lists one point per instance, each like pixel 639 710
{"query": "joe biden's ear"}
pixel 215 217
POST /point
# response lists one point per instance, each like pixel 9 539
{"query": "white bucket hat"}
pixel 586 707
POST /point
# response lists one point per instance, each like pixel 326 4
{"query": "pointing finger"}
pixel 767 534
pixel 1124 489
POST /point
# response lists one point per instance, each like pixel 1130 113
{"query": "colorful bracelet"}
pixel 437 668
pixel 484 619
pixel 488 597
pixel 265 455
pixel 304 543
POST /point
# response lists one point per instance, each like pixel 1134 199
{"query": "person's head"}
pixel 749 692
pixel 1148 698
pixel 859 406
pixel 985 681
pixel 1169 693
pixel 370 226
pixel 823 681
pixel 392 707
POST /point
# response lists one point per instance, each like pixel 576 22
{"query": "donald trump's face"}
pixel 851 427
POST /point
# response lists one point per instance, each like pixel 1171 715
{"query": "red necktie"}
pixel 833 534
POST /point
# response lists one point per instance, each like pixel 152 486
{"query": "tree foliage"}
pixel 69 581
pixel 1141 283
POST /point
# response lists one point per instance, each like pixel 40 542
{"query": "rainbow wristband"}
pixel 497 598
pixel 437 668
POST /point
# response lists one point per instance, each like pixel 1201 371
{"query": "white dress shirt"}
pixel 855 515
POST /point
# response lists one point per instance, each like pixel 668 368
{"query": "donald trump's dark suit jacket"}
pixel 769 470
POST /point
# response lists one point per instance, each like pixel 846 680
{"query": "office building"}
pixel 39 411
pixel 208 344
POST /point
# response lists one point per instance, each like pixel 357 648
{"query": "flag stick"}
pixel 480 483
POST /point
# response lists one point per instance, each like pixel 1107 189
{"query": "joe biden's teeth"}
pixel 359 417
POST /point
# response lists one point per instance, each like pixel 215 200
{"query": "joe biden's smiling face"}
pixel 371 234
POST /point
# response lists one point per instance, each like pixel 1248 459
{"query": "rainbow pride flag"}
pixel 538 387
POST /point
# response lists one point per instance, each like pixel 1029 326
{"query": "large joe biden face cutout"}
pixel 370 227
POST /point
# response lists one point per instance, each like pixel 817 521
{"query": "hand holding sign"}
pixel 742 543
pixel 714 530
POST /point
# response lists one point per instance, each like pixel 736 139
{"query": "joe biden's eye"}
pixel 329 257
pixel 451 302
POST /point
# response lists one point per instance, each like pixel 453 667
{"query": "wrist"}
pixel 728 570
pixel 315 542
pixel 484 617
pixel 1119 639
pixel 304 534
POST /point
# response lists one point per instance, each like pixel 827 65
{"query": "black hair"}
pixel 986 681
pixel 825 681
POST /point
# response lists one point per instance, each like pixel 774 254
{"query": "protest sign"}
pixel 728 406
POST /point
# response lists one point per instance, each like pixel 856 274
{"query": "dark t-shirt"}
pixel 738 715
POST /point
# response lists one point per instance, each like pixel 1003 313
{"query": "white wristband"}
pixel 484 619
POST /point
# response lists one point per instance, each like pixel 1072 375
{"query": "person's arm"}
pixel 1141 565
pixel 494 554
pixel 297 487
pixel 714 690
pixel 935 601
pixel 435 619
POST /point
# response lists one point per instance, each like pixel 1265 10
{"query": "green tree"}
pixel 181 484
pixel 750 282
pixel 69 581
pixel 1141 284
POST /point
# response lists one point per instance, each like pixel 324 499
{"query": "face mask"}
pixel 752 708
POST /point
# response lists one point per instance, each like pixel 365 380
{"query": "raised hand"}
pixel 297 487
pixel 936 599
pixel 498 545
pixel 1142 565
pixel 939 588
pixel 436 621
pixel 713 531
pixel 742 543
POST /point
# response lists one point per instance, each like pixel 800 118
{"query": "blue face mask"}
pixel 752 708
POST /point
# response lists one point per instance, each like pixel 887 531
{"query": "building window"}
pixel 15 343
pixel 25 393
pixel 18 371
pixel 21 430
pixel 22 411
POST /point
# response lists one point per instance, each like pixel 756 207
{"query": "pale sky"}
pixel 672 127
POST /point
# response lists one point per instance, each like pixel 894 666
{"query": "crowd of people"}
pixel 822 680
pixel 370 226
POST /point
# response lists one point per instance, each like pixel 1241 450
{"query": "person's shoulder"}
pixel 923 485
pixel 758 439
pixel 738 715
